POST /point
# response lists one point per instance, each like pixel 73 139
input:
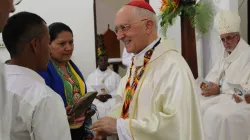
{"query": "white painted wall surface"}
pixel 78 14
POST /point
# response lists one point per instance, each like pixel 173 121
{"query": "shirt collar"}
pixel 142 53
pixel 19 70
pixel 139 58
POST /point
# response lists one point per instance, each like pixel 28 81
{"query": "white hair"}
pixel 140 12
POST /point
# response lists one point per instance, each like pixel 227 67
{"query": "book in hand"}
pixel 83 104
pixel 238 90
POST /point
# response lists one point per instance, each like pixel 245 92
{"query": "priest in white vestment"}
pixel 38 112
pixel 223 118
pixel 158 91
pixel 231 64
pixel 229 120
pixel 106 82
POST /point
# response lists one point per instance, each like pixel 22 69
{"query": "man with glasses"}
pixel 234 58
pixel 158 98
pixel 223 118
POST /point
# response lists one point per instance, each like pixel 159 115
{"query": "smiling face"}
pixel 131 30
pixel 62 47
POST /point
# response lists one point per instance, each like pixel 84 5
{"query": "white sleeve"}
pixel 122 131
pixel 49 121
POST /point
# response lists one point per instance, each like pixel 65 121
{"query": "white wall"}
pixel 244 18
pixel 78 14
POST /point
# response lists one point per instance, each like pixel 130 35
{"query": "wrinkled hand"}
pixel 247 98
pixel 212 90
pixel 103 97
pixel 104 127
pixel 237 99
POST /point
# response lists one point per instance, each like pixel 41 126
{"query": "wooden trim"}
pixel 95 31
pixel 188 44
pixel 248 20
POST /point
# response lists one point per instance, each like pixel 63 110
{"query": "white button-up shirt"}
pixel 38 112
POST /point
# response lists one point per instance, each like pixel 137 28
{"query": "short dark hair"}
pixel 56 28
pixel 20 29
pixel 102 55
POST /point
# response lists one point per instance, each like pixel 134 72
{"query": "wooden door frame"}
pixel 95 31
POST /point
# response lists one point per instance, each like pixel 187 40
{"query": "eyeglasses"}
pixel 16 2
pixel 125 27
pixel 228 38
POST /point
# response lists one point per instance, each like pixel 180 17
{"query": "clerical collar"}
pixel 142 53
pixel 139 58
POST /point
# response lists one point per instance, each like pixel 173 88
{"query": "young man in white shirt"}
pixel 38 112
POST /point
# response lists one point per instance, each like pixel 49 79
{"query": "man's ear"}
pixel 35 43
pixel 149 26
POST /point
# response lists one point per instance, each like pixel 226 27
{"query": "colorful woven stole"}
pixel 130 89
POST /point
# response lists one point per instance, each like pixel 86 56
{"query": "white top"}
pixel 165 104
pixel 38 112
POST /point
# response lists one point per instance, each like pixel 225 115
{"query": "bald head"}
pixel 136 27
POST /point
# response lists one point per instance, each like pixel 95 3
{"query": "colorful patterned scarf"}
pixel 130 89
pixel 74 89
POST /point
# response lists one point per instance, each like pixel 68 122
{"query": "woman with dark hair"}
pixel 65 78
